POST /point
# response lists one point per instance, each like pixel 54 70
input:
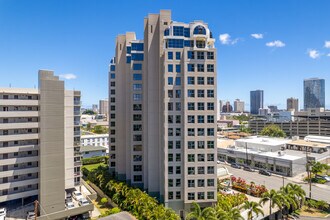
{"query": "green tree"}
pixel 99 129
pixel 318 167
pixel 88 112
pixel 252 207
pixel 198 214
pixel 104 201
pixel 231 214
pixel 273 131
pixel 274 199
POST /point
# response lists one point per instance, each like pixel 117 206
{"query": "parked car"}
pixel 77 195
pixel 30 215
pixel 234 165
pixel 68 197
pixel 3 213
pixel 83 202
pixel 69 205
pixel 265 172
pixel 325 177
pixel 227 191
pixel 247 168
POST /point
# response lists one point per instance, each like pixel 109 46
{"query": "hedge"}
pixel 94 160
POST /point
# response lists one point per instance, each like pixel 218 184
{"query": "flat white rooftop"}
pixel 264 141
pixel 19 90
pixel 94 136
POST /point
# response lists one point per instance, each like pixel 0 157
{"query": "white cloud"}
pixel 328 55
pixel 226 39
pixel 314 54
pixel 68 76
pixel 276 43
pixel 257 36
pixel 327 44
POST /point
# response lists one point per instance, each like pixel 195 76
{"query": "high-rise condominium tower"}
pixel 292 104
pixel 314 93
pixel 104 107
pixel 256 101
pixel 39 144
pixel 238 105
pixel 162 104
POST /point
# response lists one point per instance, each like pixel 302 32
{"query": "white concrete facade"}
pixel 95 140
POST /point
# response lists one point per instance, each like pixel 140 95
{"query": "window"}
pixel 199 30
pixel 210 170
pixel 178 144
pixel 170 182
pixel 200 106
pixel 175 43
pixel 170 55
pixel 191 183
pixel 201 170
pixel 191 67
pixel 137 76
pixel 137 107
pixel 200 80
pixel 210 195
pixel 170 68
pixel 210 132
pixel 200 118
pixel 112 76
pixel 137 137
pixel 191 80
pixel 113 92
pixel 210 55
pixel 210 182
pixel 137 66
pixel 191 93
pixel 210 157
pixel 178 106
pixel 178 31
pixel 200 93
pixel 191 196
pixel 210 93
pixel 210 80
pixel 191 118
pixel 178 132
pixel 177 55
pixel 137 147
pixel 191 54
pixel 178 170
pixel 137 46
pixel 200 195
pixel 170 93
pixel 200 44
pixel 170 81
pixel 137 158
pixel 170 158
pixel 178 68
pixel 167 31
pixel 170 106
pixel 178 119
pixel 191 157
pixel 170 195
pixel 137 127
pixel 137 117
pixel 191 106
pixel 191 170
pixel 178 195
pixel 170 131
pixel 210 119
pixel 170 170
pixel 170 144
pixel 200 144
pixel 191 131
pixel 128 59
pixel 200 183
pixel 137 56
pixel 210 144
pixel 189 43
pixel 201 157
pixel 137 97
pixel 210 106
pixel 137 87
pixel 200 132
pixel 210 68
pixel 200 67
pixel 178 93
pixel 137 168
pixel 200 55
pixel 191 145
pixel 186 32
pixel 178 81
pixel 170 119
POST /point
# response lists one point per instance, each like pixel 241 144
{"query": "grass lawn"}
pixel 100 207
pixel 94 166
pixel 312 212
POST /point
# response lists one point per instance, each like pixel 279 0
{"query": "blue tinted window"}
pixel 112 76
pixel 177 31
pixel 137 66
pixel 137 46
pixel 112 67
pixel 169 68
pixel 178 68
pixel 137 56
pixel 137 76
pixel 191 80
pixel 178 81
pixel 199 30
pixel 170 55
pixel 170 81
pixel 191 67
pixel 175 43
pixel 177 55
pixel 128 59
pixel 187 32
pixel 189 43
pixel 128 50
pixel 167 32
pixel 191 55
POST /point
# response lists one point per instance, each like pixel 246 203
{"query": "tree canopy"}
pixel 273 131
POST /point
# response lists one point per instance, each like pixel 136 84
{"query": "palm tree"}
pixel 232 214
pixel 274 199
pixel 253 207
pixel 198 214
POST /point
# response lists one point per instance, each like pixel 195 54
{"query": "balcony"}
pixel 77 102
pixel 77 163
pixel 77 133
pixel 20 171
pixel 11 149
pixel 76 113
pixel 18 114
pixel 19 102
pixel 24 182
pixel 76 174
pixel 25 125
pixel 19 160
pixel 19 195
pixel 76 123
pixel 19 137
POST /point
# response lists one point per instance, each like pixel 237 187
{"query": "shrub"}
pixel 94 160
pixel 114 210
pixel 104 201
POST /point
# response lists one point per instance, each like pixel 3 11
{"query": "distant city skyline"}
pixel 262 44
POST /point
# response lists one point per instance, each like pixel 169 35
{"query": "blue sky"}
pixel 77 37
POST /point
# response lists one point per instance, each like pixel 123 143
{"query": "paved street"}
pixel 275 182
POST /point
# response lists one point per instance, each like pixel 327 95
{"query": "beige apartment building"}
pixel 163 111
pixel 104 107
pixel 39 144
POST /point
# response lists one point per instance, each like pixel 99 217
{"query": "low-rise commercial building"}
pixel 95 140
pixel 93 151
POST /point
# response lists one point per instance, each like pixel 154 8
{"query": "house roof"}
pixel 91 148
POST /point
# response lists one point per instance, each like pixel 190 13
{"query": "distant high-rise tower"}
pixel 273 108
pixel 104 107
pixel 314 93
pixel 292 104
pixel 227 107
pixel 238 106
pixel 256 101
pixel 221 103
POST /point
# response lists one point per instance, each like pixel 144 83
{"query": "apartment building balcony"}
pixel 20 171
pixel 25 125
pixel 77 133
pixel 76 123
pixel 78 173
pixel 77 102
pixel 23 182
pixel 19 160
pixel 11 149
pixel 18 114
pixel 76 113
pixel 19 137
pixel 19 102
pixel 20 194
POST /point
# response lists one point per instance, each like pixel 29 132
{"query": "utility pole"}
pixel 309 175
pixel 283 180
pixel 36 209
pixel 246 153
